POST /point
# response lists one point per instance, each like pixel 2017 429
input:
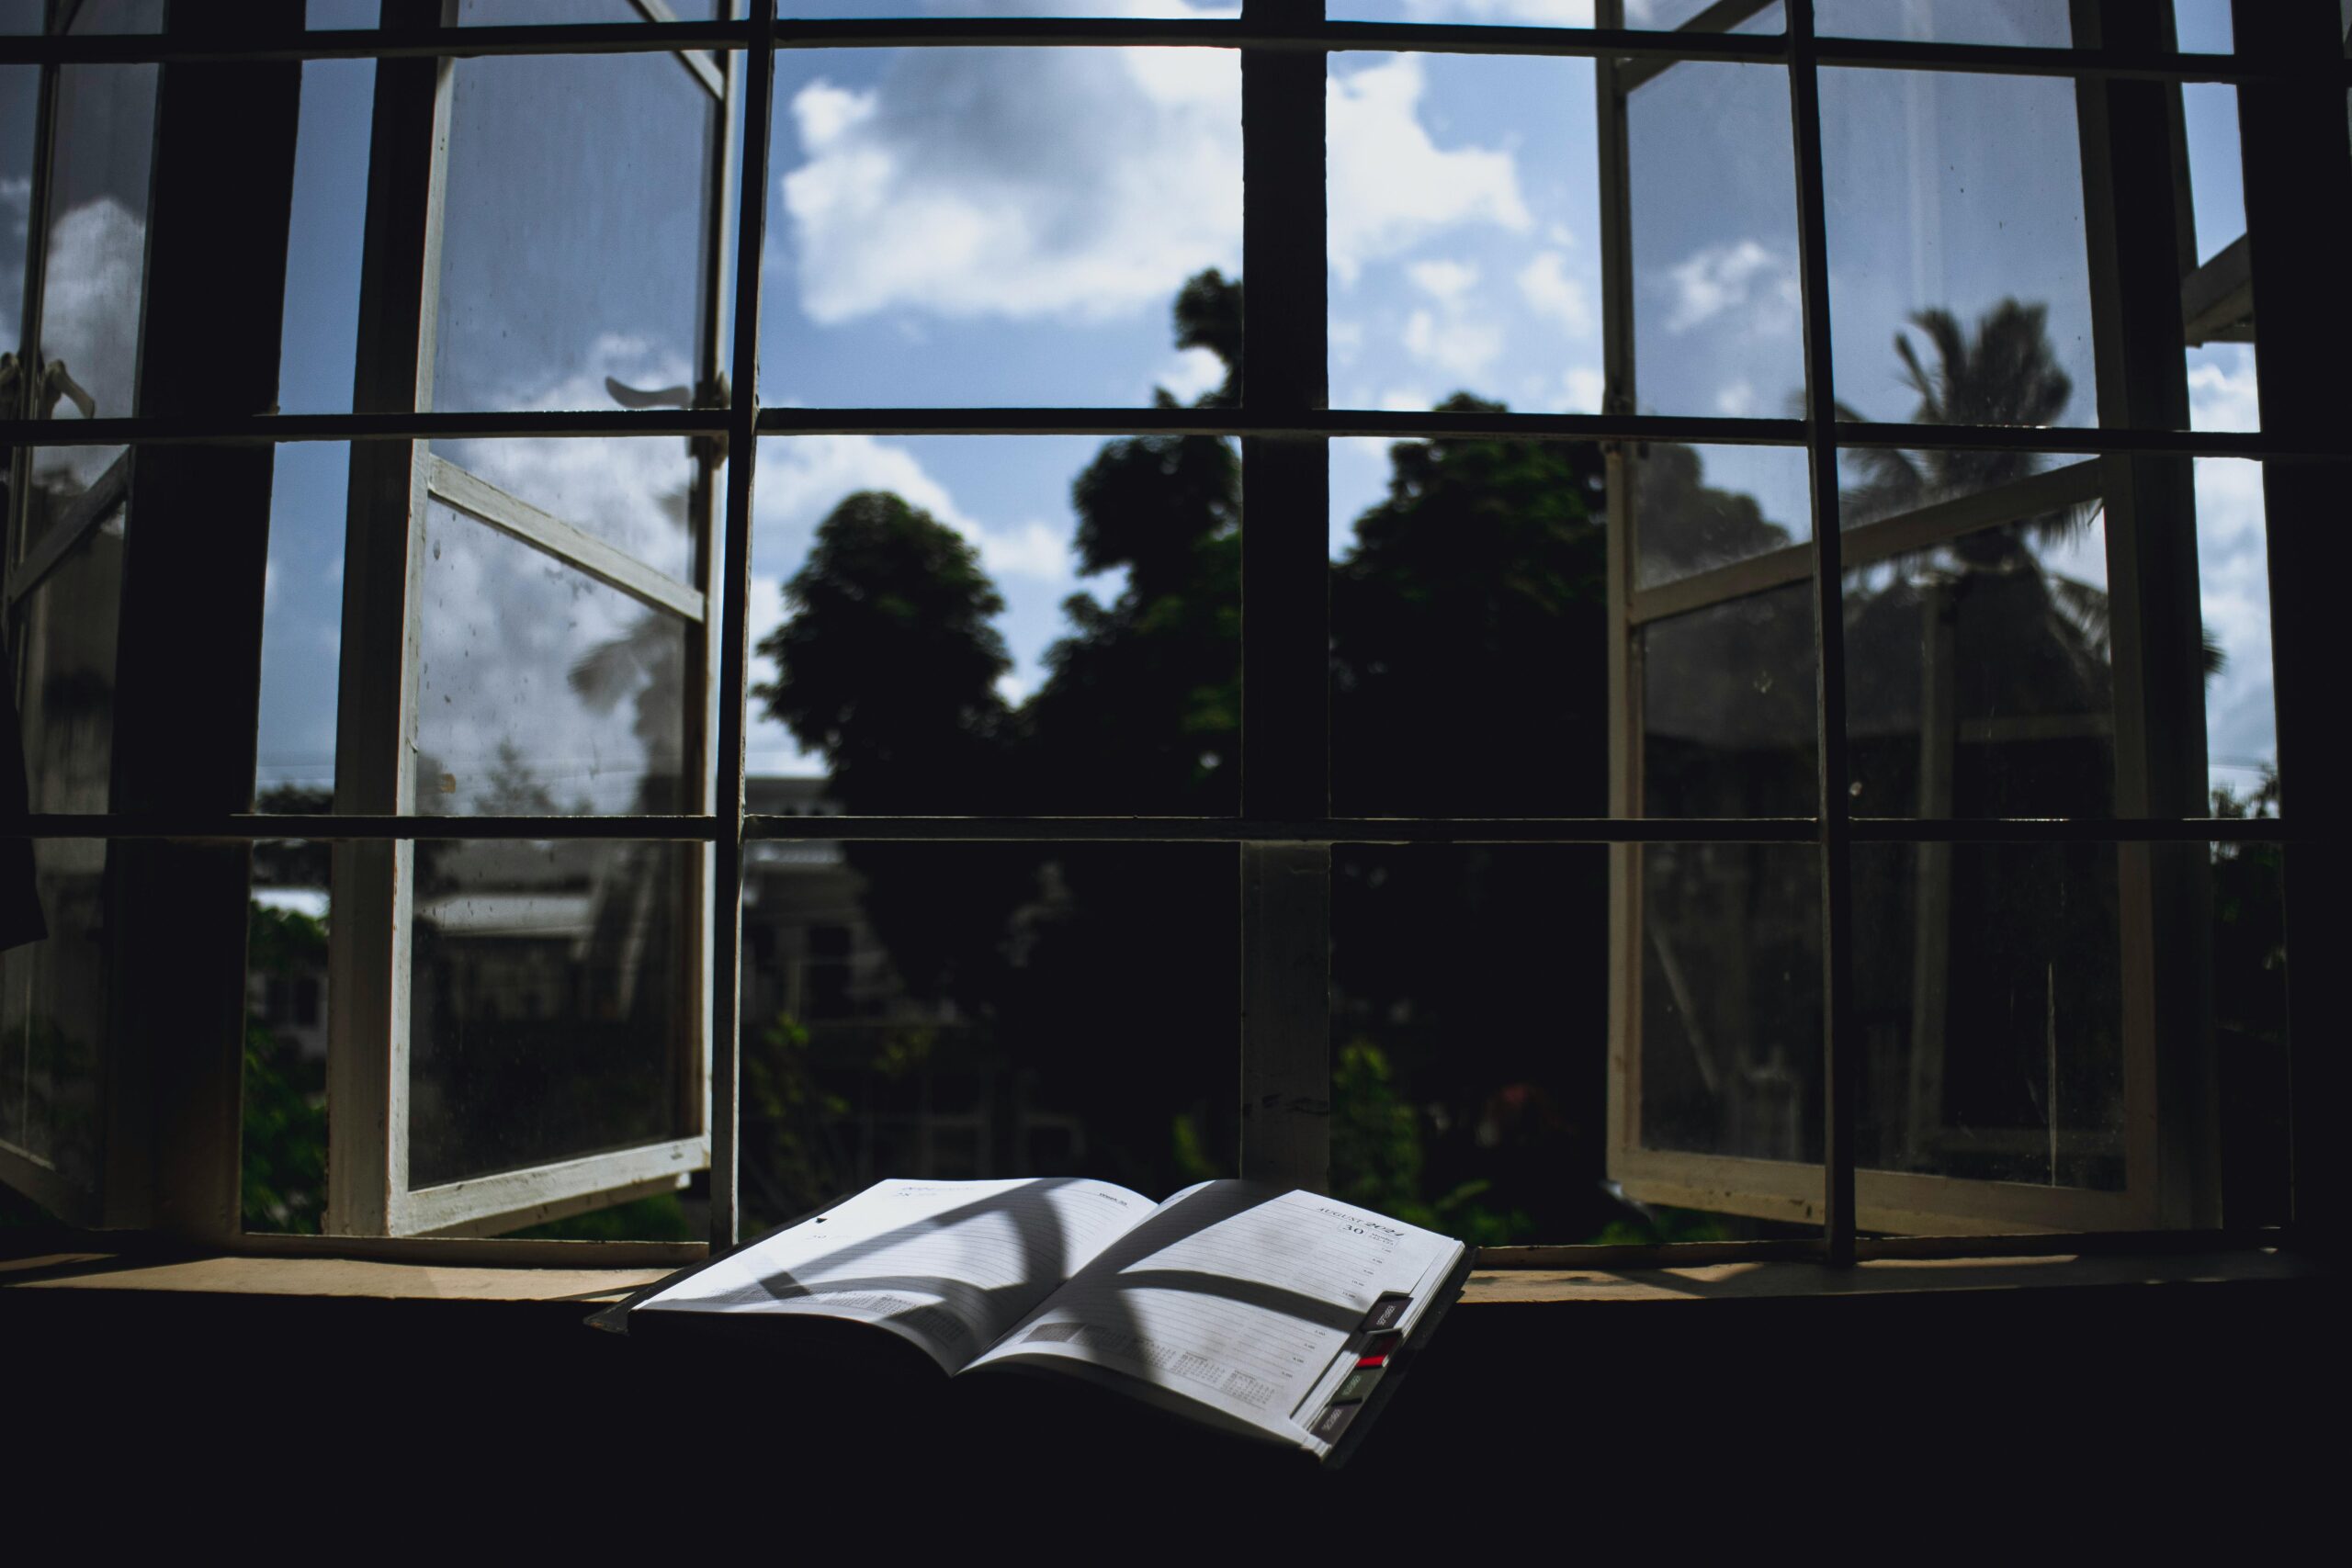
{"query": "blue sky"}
pixel 953 231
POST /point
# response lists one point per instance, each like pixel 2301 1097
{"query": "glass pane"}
pixel 553 1010
pixel 999 625
pixel 1712 193
pixel 65 629
pixel 21 15
pixel 2040 24
pixel 54 1023
pixel 955 226
pixel 2249 959
pixel 1698 508
pixel 1979 679
pixel 647 496
pixel 2218 301
pixel 1730 1002
pixel 541 690
pixel 958 1011
pixel 527 13
pixel 1469 631
pixel 1958 279
pixel 1469 1025
pixel 284 1149
pixel 1727 709
pixel 94 273
pixel 19 114
pixel 324 237
pixel 852 9
pixel 1989 997
pixel 2233 597
pixel 578 214
pixel 301 627
pixel 2203 27
pixel 1464 227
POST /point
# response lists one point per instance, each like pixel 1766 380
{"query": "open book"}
pixel 1269 1313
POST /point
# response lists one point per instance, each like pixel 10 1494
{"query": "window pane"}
pixel 1696 509
pixel 325 235
pixel 524 13
pixel 953 226
pixel 19 113
pixel 2217 302
pixel 301 627
pixel 94 273
pixel 958 1011
pixel 1730 1001
pixel 1979 678
pixel 1727 709
pixel 1959 285
pixel 540 689
pixel 2234 596
pixel 1018 624
pixel 1469 609
pixel 2037 23
pixel 65 628
pixel 573 270
pixel 1463 228
pixel 285 1143
pixel 1469 1025
pixel 552 1007
pixel 647 496
pixel 53 1025
pixel 1712 193
pixel 1987 991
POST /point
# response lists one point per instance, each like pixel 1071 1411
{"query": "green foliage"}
pixel 796 1167
pixel 285 1145
pixel 660 1217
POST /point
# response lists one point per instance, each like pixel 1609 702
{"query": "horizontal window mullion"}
pixel 1432 426
pixel 328 828
pixel 935 32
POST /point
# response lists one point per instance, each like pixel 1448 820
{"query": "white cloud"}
pixel 1727 277
pixel 1074 183
pixel 1390 186
pixel 2223 391
pixel 97 254
pixel 1584 387
pixel 1455 343
pixel 1406 400
pixel 1530 13
pixel 1551 293
pixel 269 584
pixel 2233 590
pixel 1736 399
pixel 1193 373
pixel 1448 282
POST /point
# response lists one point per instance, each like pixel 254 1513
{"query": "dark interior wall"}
pixel 1735 1427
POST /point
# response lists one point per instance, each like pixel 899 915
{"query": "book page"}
pixel 947 1264
pixel 1236 1296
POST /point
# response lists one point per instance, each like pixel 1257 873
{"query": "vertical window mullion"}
pixel 1839 1048
pixel 743 452
pixel 1285 611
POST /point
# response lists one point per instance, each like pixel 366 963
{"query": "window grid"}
pixel 1268 26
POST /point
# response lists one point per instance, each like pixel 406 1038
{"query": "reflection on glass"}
pixel 999 227
pixel 573 271
pixel 552 1013
pixel 850 9
pixel 637 495
pixel 1712 190
pixel 20 111
pixel 1987 994
pixel 54 993
pixel 301 628
pixel 2249 959
pixel 1469 636
pixel 1979 681
pixel 1688 519
pixel 528 13
pixel 84 358
pixel 541 690
pixel 959 1011
pixel 1730 942
pixel 1727 709
pixel 2040 24
pixel 976 625
pixel 1959 284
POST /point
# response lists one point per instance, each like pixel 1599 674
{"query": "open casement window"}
pixel 2021 640
pixel 521 1029
pixel 79 140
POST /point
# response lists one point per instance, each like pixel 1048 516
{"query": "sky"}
pixel 957 227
